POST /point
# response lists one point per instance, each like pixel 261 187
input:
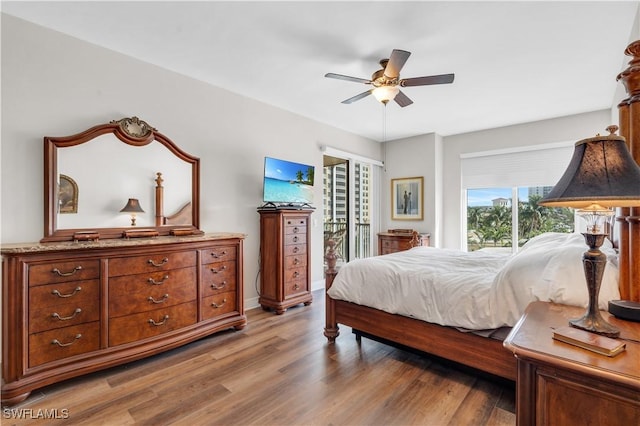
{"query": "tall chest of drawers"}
pixel 285 258
pixel 73 308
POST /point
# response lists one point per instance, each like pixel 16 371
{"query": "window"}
pixel 495 221
pixel 492 180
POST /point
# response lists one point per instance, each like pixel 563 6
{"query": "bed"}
pixel 533 274
pixel 479 294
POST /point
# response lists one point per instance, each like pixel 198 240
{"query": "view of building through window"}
pixel 493 218
pixel 336 213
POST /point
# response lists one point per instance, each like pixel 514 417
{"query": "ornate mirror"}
pixel 119 179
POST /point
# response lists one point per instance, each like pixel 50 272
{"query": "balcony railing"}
pixel 338 231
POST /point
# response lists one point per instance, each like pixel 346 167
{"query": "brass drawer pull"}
pixel 152 263
pixel 66 274
pixel 57 293
pixel 296 286
pixel 296 230
pixel 296 274
pixel 75 339
pixel 162 321
pixel 218 287
pixel 296 249
pixel 296 261
pixel 218 256
pixel 164 299
pixel 72 316
pixel 217 271
pixel 215 305
pixel 154 282
pixel 295 239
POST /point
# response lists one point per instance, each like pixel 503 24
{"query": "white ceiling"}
pixel 513 61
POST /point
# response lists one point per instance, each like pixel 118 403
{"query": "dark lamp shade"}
pixel 602 172
pixel 132 206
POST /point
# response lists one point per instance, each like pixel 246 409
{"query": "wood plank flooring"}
pixel 279 370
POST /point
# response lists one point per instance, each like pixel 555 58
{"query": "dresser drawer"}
pixel 293 274
pixel 55 294
pixel 295 261
pixel 65 313
pixel 219 254
pixel 295 249
pixel 151 263
pixel 63 271
pixel 218 272
pixel 165 280
pixel 394 244
pixel 295 239
pixel 64 342
pixel 295 225
pixel 215 283
pixel 143 325
pixel 149 298
pixel 218 304
pixel 295 286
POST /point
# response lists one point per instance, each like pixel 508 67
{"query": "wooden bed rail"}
pixel 628 219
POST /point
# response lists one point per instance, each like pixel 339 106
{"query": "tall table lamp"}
pixel 601 175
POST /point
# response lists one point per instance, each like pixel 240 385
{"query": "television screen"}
pixel 286 182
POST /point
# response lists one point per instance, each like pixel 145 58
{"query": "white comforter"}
pixel 473 290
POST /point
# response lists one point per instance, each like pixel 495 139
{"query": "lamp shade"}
pixel 132 206
pixel 601 172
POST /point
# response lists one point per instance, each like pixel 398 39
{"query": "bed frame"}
pixel 488 354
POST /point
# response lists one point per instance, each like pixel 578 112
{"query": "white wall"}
pixel 414 157
pixel 55 85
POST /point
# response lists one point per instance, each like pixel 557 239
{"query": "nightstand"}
pixel 561 384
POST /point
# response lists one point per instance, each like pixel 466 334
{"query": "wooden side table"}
pixel 399 240
pixel 561 384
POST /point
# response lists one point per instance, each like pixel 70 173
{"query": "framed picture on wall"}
pixel 407 199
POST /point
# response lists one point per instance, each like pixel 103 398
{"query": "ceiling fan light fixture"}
pixel 385 94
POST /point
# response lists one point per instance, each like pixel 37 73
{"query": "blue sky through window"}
pixel 484 197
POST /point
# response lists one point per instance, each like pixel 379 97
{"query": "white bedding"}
pixel 474 290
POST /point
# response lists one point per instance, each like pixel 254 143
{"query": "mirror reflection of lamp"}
pixel 133 207
pixel 602 174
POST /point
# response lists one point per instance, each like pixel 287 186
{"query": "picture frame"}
pixel 67 195
pixel 407 198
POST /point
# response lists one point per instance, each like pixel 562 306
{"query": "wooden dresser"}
pixel 561 384
pixel 285 258
pixel 399 240
pixel 70 308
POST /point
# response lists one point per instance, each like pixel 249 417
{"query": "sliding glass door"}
pixel 347 208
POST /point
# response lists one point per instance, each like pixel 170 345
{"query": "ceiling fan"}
pixel 385 81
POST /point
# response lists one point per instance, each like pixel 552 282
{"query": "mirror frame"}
pixel 134 132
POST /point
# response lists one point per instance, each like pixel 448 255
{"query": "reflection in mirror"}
pixel 90 176
pixel 105 186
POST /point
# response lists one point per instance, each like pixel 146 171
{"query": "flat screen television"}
pixel 287 183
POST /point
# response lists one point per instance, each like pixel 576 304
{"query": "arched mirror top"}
pixel 119 180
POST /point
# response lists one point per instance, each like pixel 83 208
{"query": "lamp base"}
pixel 595 324
pixel 594 262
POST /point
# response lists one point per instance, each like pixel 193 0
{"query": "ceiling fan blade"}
pixel 357 97
pixel 402 99
pixel 347 78
pixel 426 81
pixel 396 62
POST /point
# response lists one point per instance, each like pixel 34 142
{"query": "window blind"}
pixel 527 166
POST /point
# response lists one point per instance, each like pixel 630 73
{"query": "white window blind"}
pixel 527 166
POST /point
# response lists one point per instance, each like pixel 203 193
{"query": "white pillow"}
pixel 549 268
pixel 566 277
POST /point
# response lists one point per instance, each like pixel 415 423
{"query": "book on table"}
pixel 594 342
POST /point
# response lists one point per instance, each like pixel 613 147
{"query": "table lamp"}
pixel 601 175
pixel 133 207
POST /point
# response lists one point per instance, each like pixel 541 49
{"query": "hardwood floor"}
pixel 279 370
